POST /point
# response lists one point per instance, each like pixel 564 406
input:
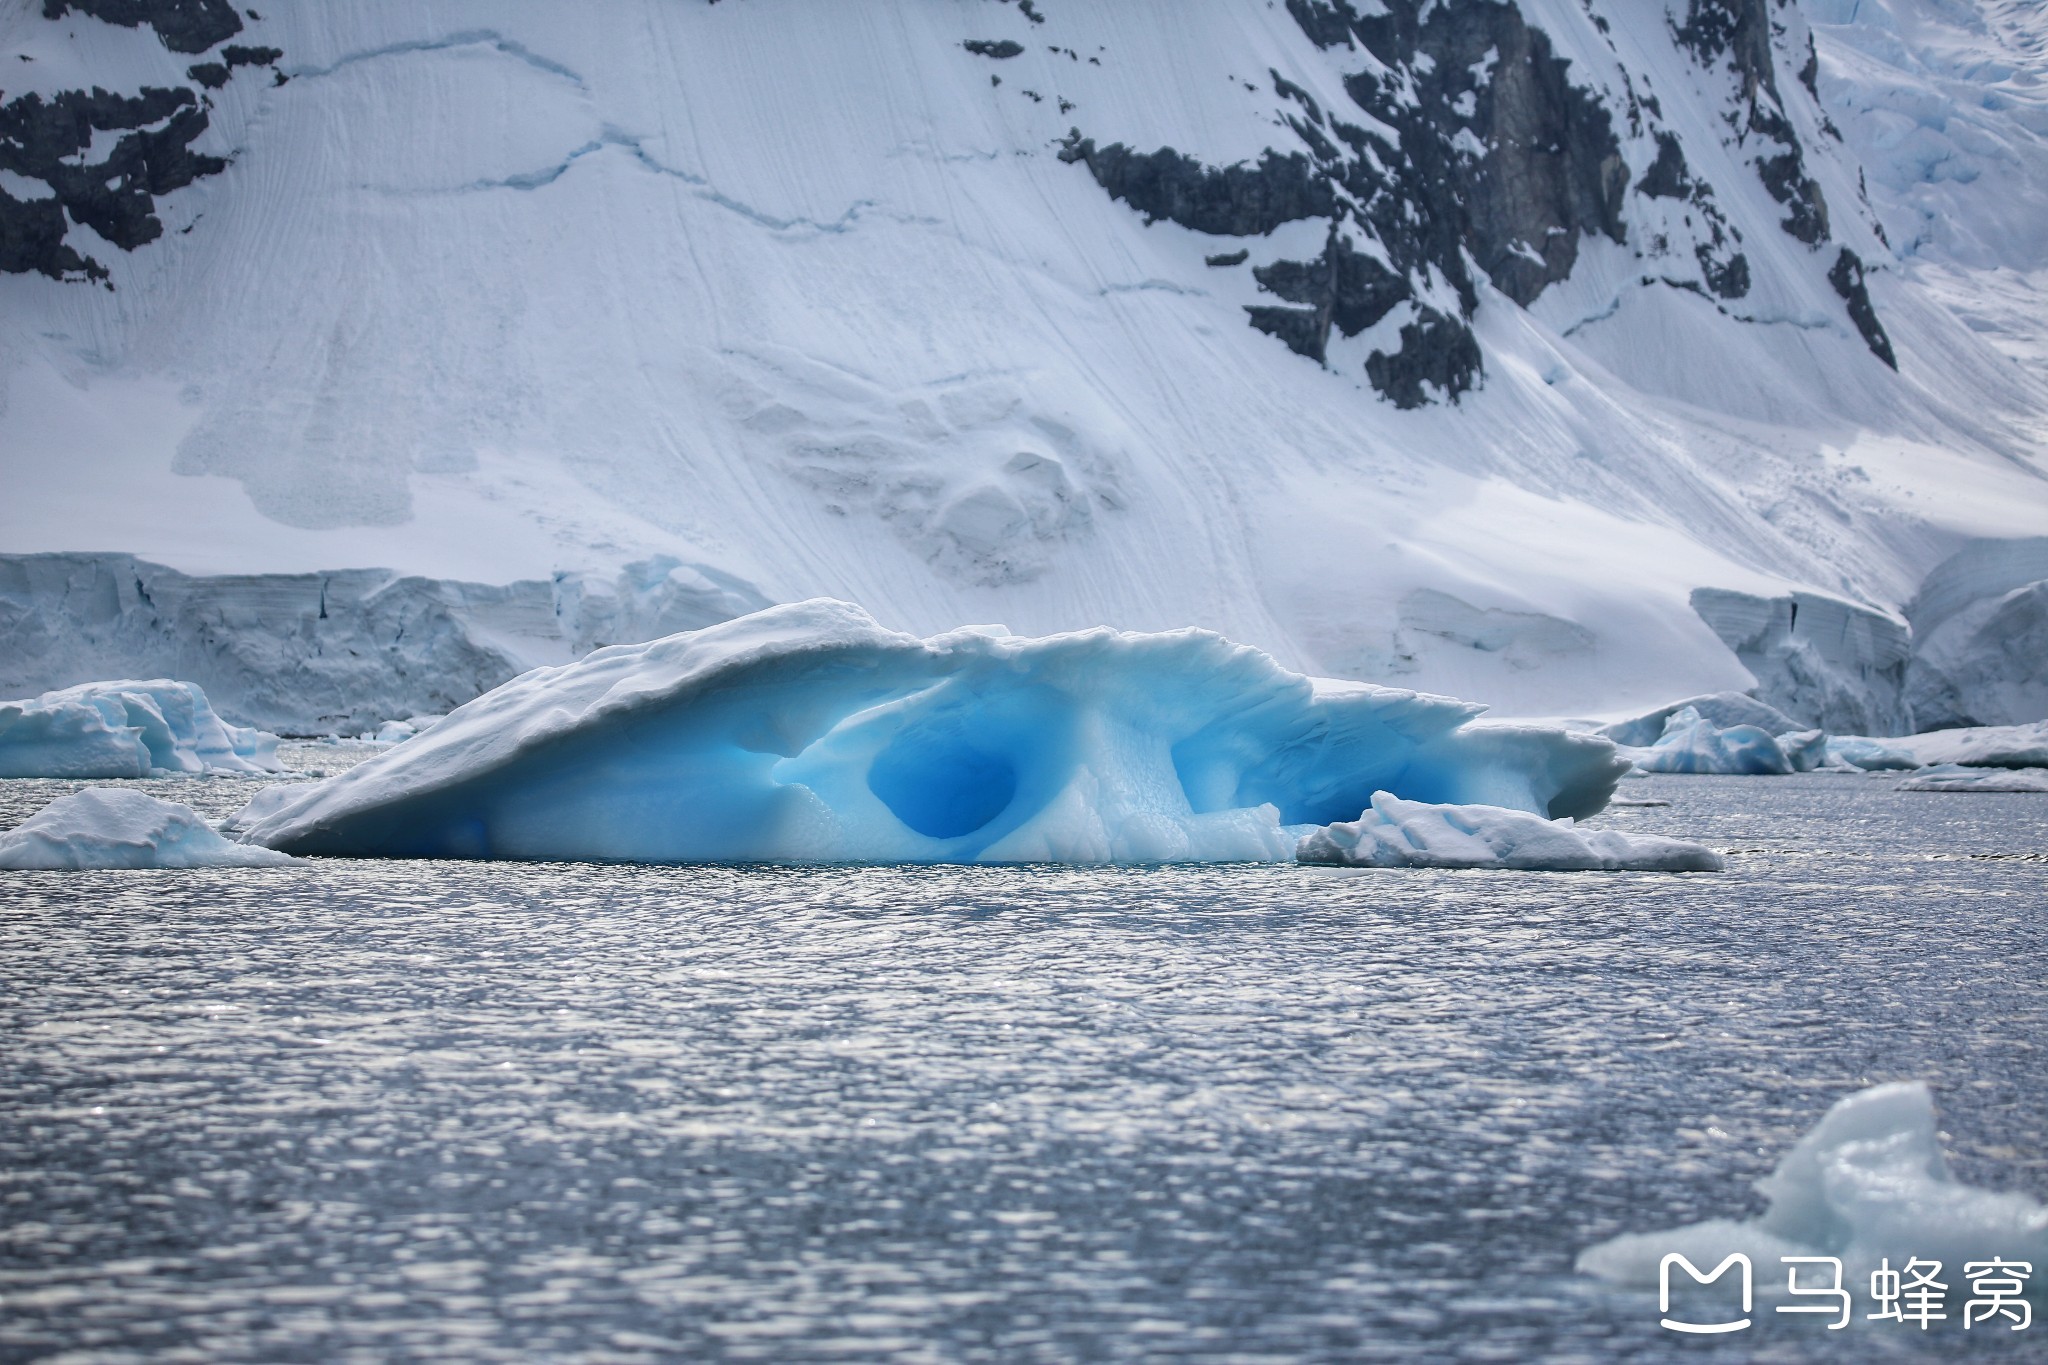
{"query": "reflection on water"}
pixel 473 1111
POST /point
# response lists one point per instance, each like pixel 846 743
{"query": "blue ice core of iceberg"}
pixel 807 732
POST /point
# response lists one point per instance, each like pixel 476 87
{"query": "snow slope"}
pixel 806 295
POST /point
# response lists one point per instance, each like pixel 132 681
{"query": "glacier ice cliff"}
pixel 119 827
pixel 1869 1181
pixel 1396 833
pixel 314 653
pixel 808 732
pixel 127 729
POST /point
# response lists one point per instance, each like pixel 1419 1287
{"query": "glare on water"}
pixel 512 1111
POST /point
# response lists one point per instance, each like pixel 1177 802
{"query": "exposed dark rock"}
pixel 1233 201
pixel 1847 278
pixel 1227 258
pixel 212 75
pixel 184 25
pixel 32 239
pixel 1000 50
pixel 1740 31
pixel 116 197
pixel 1434 350
pixel 236 55
pixel 1668 176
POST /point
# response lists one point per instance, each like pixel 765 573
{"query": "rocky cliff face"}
pixel 1467 142
pixel 112 190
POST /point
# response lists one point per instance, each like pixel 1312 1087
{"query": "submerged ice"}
pixel 1396 833
pixel 808 732
pixel 119 827
pixel 127 729
pixel 1869 1182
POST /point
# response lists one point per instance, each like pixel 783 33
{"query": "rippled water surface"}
pixel 364 1110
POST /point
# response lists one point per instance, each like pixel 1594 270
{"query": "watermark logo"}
pixel 1913 1295
pixel 1671 1259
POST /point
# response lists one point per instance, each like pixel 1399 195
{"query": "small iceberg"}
pixel 1693 743
pixel 119 827
pixel 1870 755
pixel 1982 746
pixel 127 729
pixel 1953 777
pixel 809 733
pixel 1397 833
pixel 1870 1182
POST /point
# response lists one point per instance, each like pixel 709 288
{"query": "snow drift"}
pixel 1397 833
pixel 116 827
pixel 809 732
pixel 1869 1181
pixel 127 729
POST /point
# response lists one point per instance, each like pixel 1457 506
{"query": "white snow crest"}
pixel 1396 833
pixel 1870 1181
pixel 118 827
pixel 127 729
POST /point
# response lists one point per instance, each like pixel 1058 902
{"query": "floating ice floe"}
pixel 1953 777
pixel 1870 1181
pixel 1983 746
pixel 118 827
pixel 127 729
pixel 807 732
pixel 1397 833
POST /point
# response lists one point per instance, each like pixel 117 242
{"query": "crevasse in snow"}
pixel 1396 833
pixel 809 732
pixel 119 827
pixel 1869 1181
pixel 127 729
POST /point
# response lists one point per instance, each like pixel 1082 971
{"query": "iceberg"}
pixel 1870 755
pixel 1724 709
pixel 1869 1182
pixel 1396 833
pixel 1692 743
pixel 1982 746
pixel 127 729
pixel 807 732
pixel 1954 777
pixel 118 827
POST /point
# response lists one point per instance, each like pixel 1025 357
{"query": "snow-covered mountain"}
pixel 1565 354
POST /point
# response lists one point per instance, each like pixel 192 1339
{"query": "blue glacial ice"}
pixel 807 732
pixel 1869 1182
pixel 1693 743
pixel 119 827
pixel 1396 833
pixel 127 729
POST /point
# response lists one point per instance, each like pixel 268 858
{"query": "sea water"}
pixel 470 1111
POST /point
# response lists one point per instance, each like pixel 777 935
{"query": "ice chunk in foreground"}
pixel 807 732
pixel 121 827
pixel 1869 1182
pixel 1953 777
pixel 1397 833
pixel 127 729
